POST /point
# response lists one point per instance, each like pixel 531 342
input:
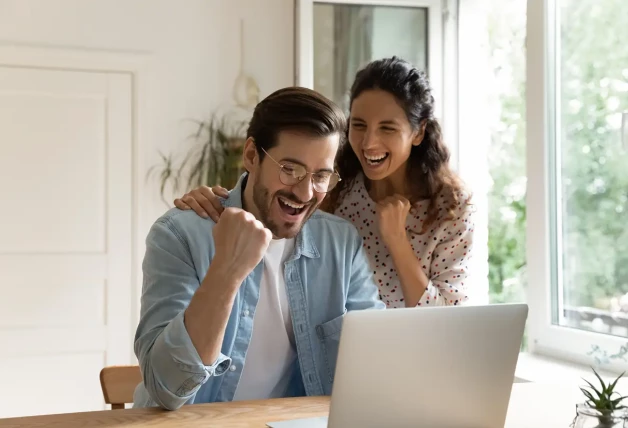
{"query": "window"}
pixel 335 38
pixel 506 28
pixel 591 186
pixel 492 128
pixel 577 176
pixel 424 32
pixel 348 36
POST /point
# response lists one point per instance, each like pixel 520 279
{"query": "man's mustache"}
pixel 293 198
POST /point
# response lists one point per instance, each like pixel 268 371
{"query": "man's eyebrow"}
pixel 301 163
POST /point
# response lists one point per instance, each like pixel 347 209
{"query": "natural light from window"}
pixel 591 204
pixel 506 22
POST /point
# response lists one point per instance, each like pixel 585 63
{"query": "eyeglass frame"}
pixel 281 167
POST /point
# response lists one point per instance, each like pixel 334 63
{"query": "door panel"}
pixel 65 246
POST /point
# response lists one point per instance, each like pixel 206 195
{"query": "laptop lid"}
pixel 427 367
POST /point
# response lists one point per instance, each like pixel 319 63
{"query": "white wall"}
pixel 193 47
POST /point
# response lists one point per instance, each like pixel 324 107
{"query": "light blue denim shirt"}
pixel 327 275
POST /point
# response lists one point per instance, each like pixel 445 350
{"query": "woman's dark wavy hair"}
pixel 428 169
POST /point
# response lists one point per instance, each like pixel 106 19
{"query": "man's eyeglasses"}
pixel 293 173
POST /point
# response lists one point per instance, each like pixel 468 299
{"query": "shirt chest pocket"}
pixel 329 335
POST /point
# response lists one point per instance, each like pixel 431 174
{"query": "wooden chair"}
pixel 118 384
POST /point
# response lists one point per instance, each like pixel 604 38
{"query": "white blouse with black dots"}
pixel 443 251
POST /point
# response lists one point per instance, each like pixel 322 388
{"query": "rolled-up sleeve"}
pixel 172 370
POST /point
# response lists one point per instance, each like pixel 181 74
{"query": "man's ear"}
pixel 420 134
pixel 250 158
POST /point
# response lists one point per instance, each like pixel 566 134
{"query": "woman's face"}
pixel 380 134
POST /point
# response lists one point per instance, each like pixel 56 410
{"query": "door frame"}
pixel 139 66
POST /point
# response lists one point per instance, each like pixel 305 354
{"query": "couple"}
pixel 250 306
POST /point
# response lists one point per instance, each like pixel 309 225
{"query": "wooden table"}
pixel 532 405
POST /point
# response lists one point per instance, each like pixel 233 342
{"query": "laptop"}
pixel 424 367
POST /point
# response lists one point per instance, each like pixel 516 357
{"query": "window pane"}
pixel 346 37
pixel 506 25
pixel 592 180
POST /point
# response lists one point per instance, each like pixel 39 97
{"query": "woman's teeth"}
pixel 375 160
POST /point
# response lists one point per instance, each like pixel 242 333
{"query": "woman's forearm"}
pixel 413 280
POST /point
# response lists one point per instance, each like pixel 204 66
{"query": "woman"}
pixel 397 188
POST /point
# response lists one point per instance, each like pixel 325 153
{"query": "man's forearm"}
pixel 208 313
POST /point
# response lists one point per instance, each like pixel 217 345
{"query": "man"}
pixel 251 307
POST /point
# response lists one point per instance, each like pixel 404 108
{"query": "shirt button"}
pixel 233 367
pixel 246 312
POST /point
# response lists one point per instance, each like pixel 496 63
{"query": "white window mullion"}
pixel 537 199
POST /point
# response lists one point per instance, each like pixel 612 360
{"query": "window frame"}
pixel 543 193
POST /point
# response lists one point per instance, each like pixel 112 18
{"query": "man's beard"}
pixel 263 201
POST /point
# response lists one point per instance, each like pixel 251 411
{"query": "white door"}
pixel 65 236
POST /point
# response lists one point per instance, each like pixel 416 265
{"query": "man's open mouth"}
pixel 290 207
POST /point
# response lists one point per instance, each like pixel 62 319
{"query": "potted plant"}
pixel 214 159
pixel 603 407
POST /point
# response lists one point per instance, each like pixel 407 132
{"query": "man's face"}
pixel 282 208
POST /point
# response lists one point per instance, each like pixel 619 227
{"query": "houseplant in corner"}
pixel 603 407
pixel 214 159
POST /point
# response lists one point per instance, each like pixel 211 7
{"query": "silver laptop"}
pixel 424 367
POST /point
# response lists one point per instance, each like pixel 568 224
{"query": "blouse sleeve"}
pixel 447 284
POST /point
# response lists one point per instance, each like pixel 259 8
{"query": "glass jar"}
pixel 588 417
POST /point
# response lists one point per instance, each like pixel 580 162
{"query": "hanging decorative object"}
pixel 245 90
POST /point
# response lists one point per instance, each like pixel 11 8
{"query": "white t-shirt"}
pixel 271 353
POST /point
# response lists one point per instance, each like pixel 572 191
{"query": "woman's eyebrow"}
pixel 381 122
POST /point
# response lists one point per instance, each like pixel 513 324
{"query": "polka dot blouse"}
pixel 443 251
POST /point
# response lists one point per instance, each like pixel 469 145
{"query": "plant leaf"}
pixel 600 379
pixel 211 160
pixel 611 387
pixel 587 394
pixel 593 387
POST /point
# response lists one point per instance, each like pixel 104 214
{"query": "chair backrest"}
pixel 118 384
